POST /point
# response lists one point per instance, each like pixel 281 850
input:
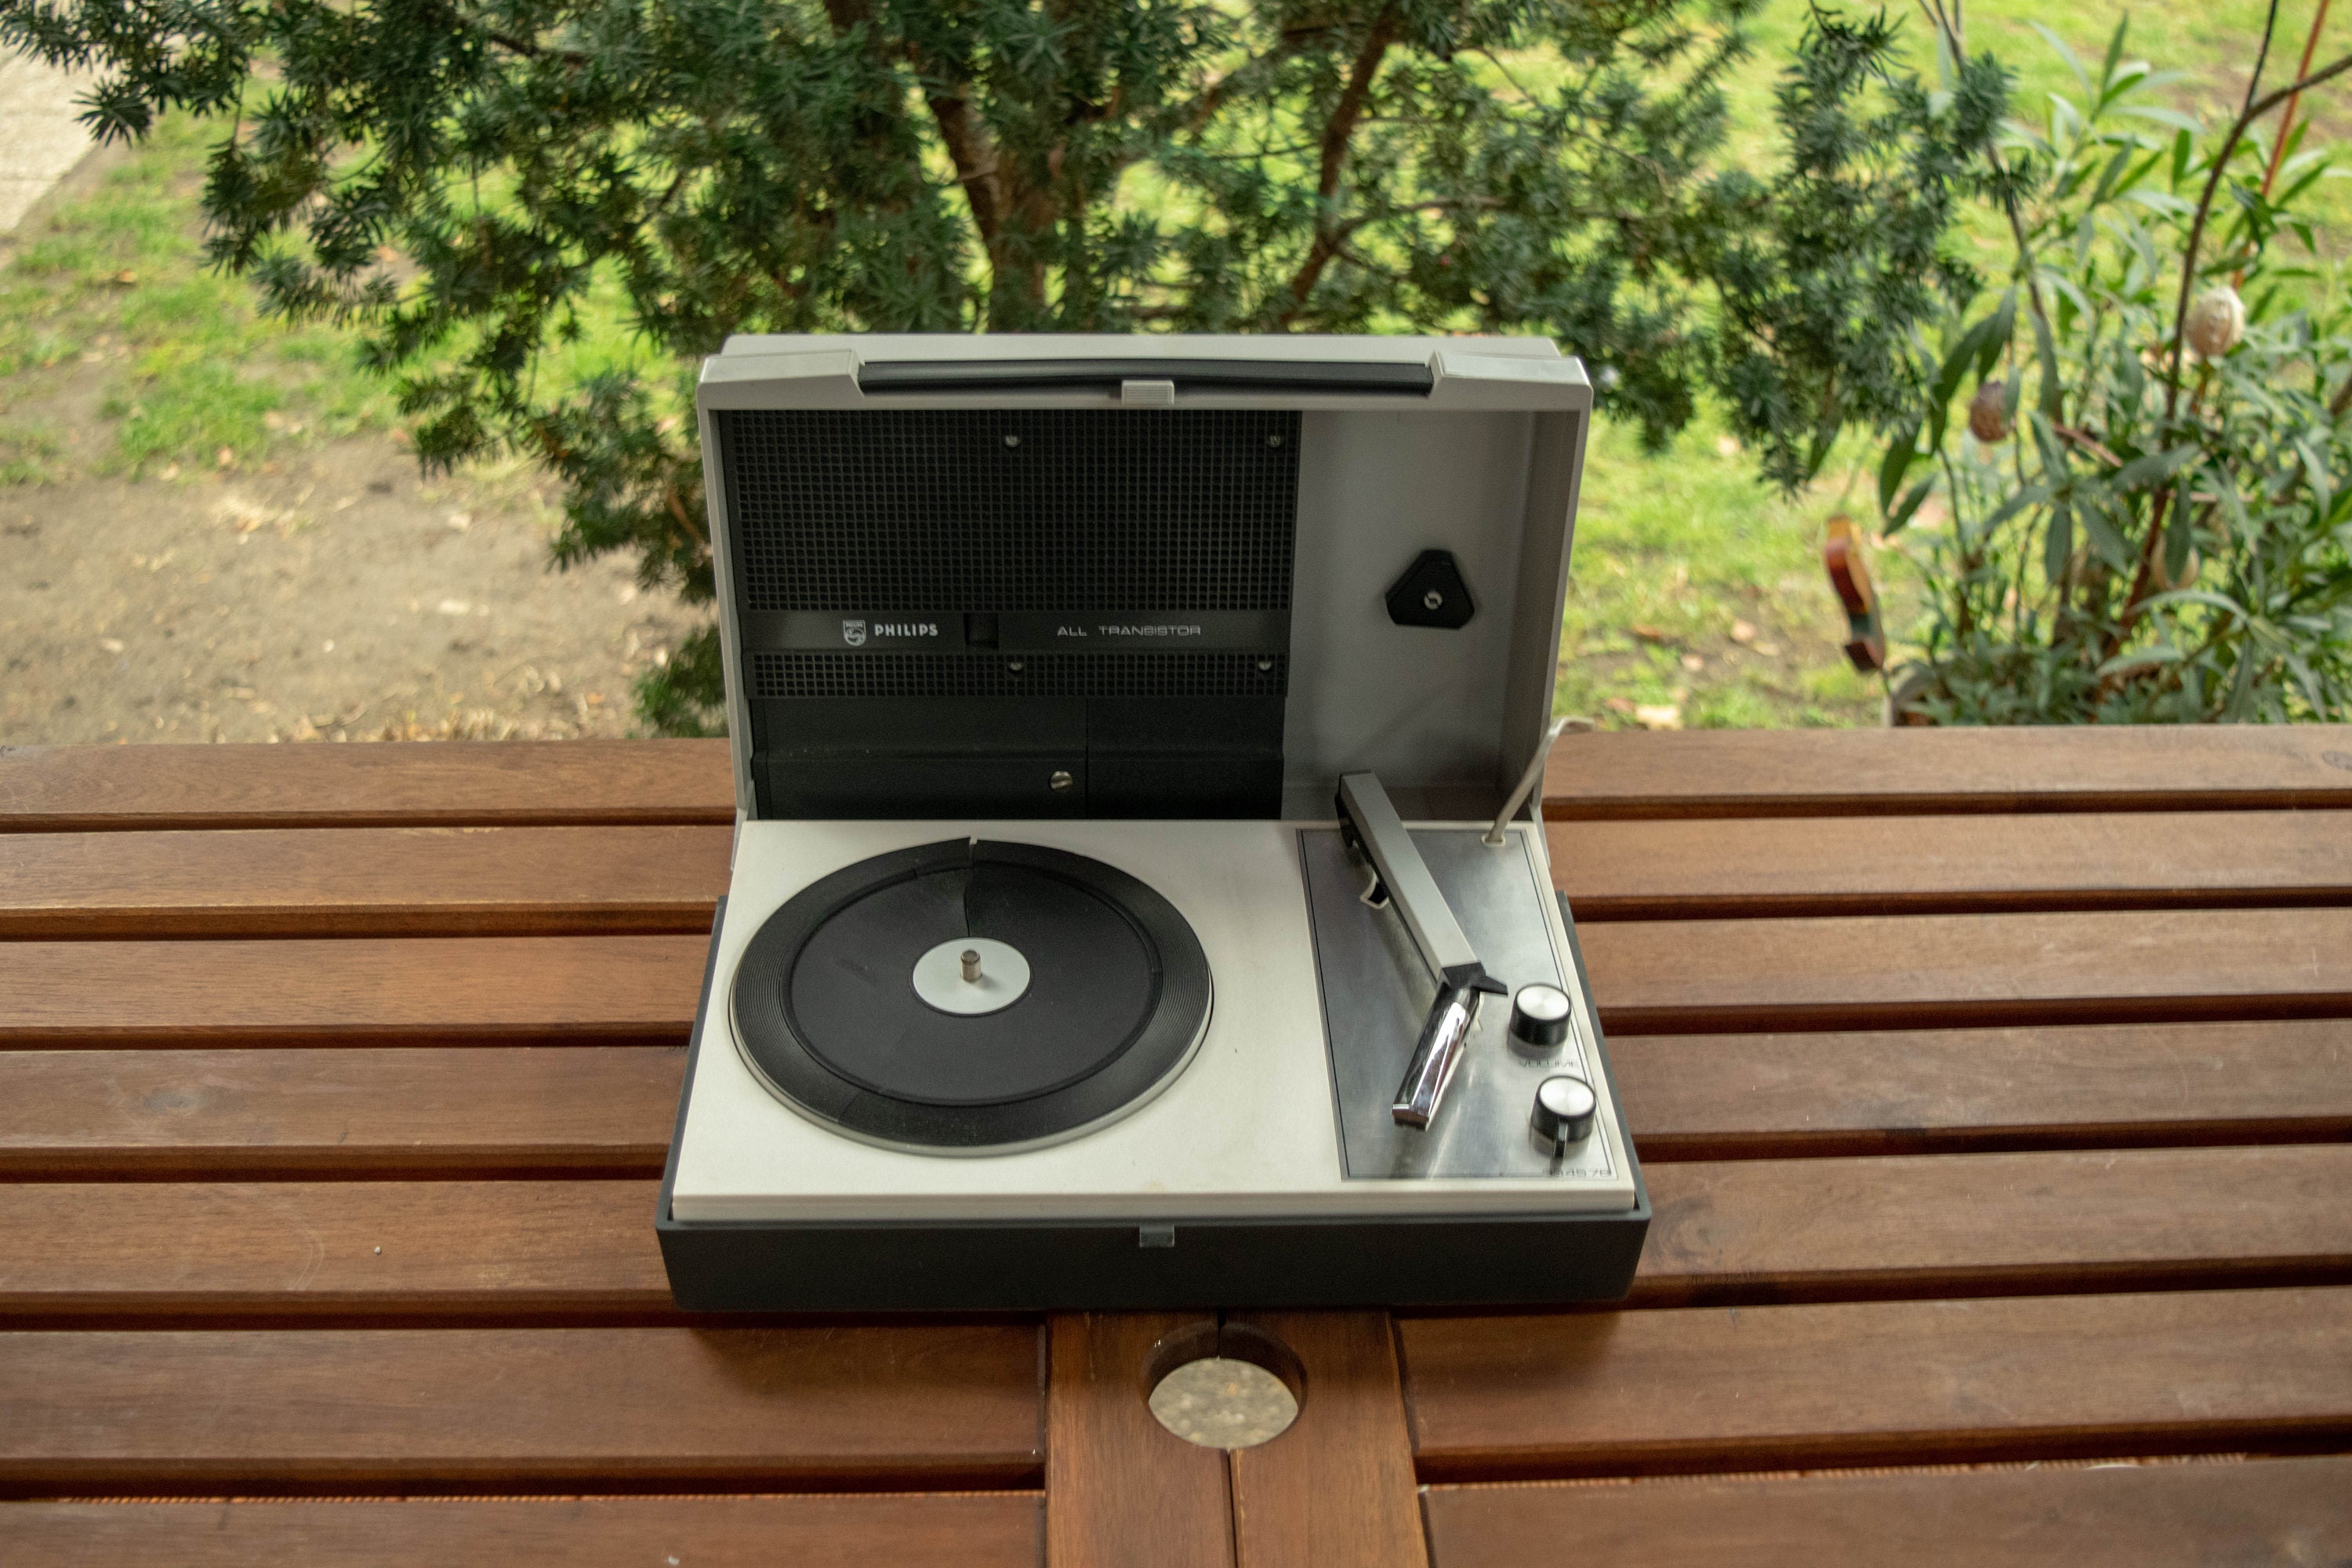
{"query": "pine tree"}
pixel 473 181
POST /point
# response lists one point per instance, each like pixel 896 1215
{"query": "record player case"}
pixel 1140 603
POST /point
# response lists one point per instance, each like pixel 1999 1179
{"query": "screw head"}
pixel 1433 600
pixel 1265 665
pixel 1013 440
pixel 1061 778
pixel 1274 440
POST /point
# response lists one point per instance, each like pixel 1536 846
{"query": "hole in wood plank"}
pixel 1224 1385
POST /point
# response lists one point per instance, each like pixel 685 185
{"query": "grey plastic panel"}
pixel 1377 992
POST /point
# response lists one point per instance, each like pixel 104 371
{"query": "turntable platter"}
pixel 970 994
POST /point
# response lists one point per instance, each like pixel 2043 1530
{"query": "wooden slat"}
pixel 880 1531
pixel 1336 1489
pixel 1841 772
pixel 1655 977
pixel 1930 864
pixel 455 989
pixel 465 882
pixel 59 789
pixel 1119 1487
pixel 1752 1232
pixel 225 1115
pixel 1901 1381
pixel 1722 1096
pixel 481 1249
pixel 2111 1516
pixel 219 1115
pixel 521 1409
pixel 1928 971
pixel 1790 1230
pixel 362 881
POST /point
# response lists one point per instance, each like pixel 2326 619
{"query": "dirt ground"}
pixel 339 597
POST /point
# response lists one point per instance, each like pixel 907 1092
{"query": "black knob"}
pixel 1563 1113
pixel 1540 1016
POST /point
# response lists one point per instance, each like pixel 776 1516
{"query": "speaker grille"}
pixel 1062 509
pixel 788 675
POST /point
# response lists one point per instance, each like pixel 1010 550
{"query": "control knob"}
pixel 1540 1016
pixel 1563 1113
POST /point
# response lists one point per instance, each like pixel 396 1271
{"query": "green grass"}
pixel 111 290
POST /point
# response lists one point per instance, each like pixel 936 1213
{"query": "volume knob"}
pixel 1540 1016
pixel 1563 1113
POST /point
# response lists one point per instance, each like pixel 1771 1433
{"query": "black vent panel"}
pixel 1060 510
pixel 802 675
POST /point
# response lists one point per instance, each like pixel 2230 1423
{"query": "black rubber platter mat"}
pixel 827 1009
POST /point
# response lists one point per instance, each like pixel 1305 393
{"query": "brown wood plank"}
pixel 1930 864
pixel 59 789
pixel 1758 1231
pixel 519 1409
pixel 999 1530
pixel 1119 1487
pixel 220 1115
pixel 1753 1232
pixel 2111 1516
pixel 1876 1383
pixel 480 1249
pixel 1336 1489
pixel 1725 1096
pixel 413 990
pixel 362 881
pixel 1841 772
pixel 1942 971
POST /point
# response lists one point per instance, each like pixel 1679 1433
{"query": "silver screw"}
pixel 1014 665
pixel 1263 665
pixel 1013 440
pixel 1274 440
pixel 971 966
pixel 1061 778
pixel 1433 600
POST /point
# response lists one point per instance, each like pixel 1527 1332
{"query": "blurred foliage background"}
pixel 1697 601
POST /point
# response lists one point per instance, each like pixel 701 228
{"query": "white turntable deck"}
pixel 1248 1127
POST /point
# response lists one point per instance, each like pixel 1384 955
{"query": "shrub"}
pixel 2143 518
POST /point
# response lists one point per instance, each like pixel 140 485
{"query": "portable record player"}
pixel 1139 893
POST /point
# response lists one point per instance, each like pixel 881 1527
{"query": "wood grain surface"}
pixel 57 789
pixel 517 1250
pixel 1879 1383
pixel 443 990
pixel 1717 1096
pixel 1722 773
pixel 1655 977
pixel 1003 1530
pixel 1753 1232
pixel 1940 971
pixel 1935 864
pixel 1847 772
pixel 1758 1231
pixel 1119 1487
pixel 604 1111
pixel 1336 1489
pixel 362 881
pixel 521 1409
pixel 2283 1512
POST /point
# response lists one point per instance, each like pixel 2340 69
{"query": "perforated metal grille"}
pixel 1028 675
pixel 1064 510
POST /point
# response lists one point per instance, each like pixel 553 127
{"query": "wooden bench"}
pixel 1993 1090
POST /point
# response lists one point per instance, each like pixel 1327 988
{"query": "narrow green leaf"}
pixel 2073 62
pixel 2058 546
pixel 2115 51
pixel 2205 596
pixel 2030 496
pixel 2179 536
pixel 2046 350
pixel 1901 453
pixel 2147 658
pixel 1910 503
pixel 2184 123
pixel 2105 542
pixel 1997 335
pixel 2156 466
